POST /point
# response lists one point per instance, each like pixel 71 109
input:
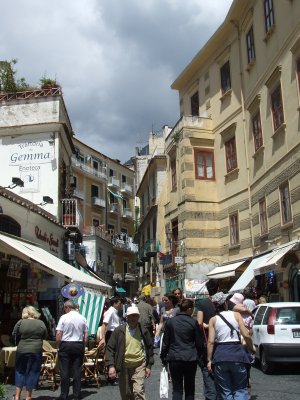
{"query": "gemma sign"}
pixel 30 152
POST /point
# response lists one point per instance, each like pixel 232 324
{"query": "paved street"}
pixel 285 384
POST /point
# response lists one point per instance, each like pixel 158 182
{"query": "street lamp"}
pixel 15 182
pixel 46 200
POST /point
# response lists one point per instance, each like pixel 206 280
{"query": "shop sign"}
pixel 34 151
pixel 194 285
pixel 72 291
pixel 15 268
pixel 47 238
pixel 179 260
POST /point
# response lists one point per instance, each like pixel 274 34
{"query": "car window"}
pixel 288 316
pixel 259 315
pixel 266 316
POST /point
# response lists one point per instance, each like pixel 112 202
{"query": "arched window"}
pixel 9 225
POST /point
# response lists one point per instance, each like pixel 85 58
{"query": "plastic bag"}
pixel 164 384
pixel 156 342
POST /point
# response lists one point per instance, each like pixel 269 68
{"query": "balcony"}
pixel 142 256
pixel 123 241
pixel 71 216
pixel 98 231
pixel 127 213
pixel 193 123
pixel 113 182
pixel 78 193
pixel 125 188
pixel 97 202
pixel 98 173
pixel 151 248
pixel 114 208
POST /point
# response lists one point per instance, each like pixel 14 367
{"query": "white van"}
pixel 276 334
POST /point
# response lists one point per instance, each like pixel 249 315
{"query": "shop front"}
pixel 32 270
pixel 274 274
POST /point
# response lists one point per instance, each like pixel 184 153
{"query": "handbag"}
pixel 164 384
pixel 17 335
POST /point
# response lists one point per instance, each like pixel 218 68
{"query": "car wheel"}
pixel 266 366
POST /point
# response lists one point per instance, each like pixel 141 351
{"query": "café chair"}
pixel 48 369
pixel 90 368
pixel 5 340
pixel 48 347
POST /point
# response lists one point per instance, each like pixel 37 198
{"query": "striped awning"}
pixel 91 305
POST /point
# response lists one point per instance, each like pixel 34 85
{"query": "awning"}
pixel 274 257
pixel 225 271
pixel 91 305
pixel 121 290
pixel 248 274
pixel 48 262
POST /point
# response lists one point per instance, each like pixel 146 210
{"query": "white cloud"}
pixel 115 59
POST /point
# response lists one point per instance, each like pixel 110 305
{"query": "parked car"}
pixel 276 334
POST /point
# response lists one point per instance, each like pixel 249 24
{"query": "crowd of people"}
pixel 217 339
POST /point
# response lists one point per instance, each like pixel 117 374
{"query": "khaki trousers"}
pixel 131 383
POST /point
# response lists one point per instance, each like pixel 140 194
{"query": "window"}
pixel 96 222
pixel 94 191
pixel 269 14
pixel 123 179
pixel 285 201
pixel 231 160
pixel 111 172
pixel 250 45
pixel 257 133
pixel 205 166
pixel 277 108
pixel 95 165
pixel 195 104
pixel 112 199
pixel 263 217
pixel 225 77
pixel 173 174
pixel 234 229
pixel 125 204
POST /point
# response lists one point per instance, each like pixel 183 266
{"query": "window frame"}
pixel 231 154
pixel 277 106
pixel 225 77
pixel 195 104
pixel 285 203
pixel 94 190
pixel 263 216
pixel 298 72
pixel 205 153
pixel 234 236
pixel 257 131
pixel 250 46
pixel 173 170
pixel 269 15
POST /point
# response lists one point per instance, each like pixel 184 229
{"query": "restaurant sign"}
pixel 47 238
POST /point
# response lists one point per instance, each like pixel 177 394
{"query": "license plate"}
pixel 296 333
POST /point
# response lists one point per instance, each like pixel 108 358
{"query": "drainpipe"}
pixel 236 24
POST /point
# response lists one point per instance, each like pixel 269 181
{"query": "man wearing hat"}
pixel 129 353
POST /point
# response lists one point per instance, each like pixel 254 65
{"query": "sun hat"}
pixel 132 310
pixel 219 298
pixel 237 298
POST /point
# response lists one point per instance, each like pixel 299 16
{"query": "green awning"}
pixel 121 290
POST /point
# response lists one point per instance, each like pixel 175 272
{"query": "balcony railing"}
pixel 126 188
pixel 98 173
pixel 114 208
pixel 71 216
pixel 151 248
pixel 113 181
pixel 97 201
pixel 78 193
pixel 127 213
pixel 189 121
pixel 98 231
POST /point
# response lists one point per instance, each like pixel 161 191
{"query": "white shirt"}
pixel 111 318
pixel 73 326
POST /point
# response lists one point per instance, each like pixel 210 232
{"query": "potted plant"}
pixel 48 83
pixel 2 391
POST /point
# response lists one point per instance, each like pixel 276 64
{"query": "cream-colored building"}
pixel 233 157
pixel 104 195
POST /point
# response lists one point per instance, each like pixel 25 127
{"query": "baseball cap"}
pixel 132 310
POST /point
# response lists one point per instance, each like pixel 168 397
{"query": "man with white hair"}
pixel 129 353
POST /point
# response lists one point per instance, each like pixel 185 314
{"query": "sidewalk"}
pixel 112 392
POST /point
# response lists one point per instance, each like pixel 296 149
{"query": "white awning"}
pixel 248 274
pixel 225 271
pixel 49 263
pixel 274 257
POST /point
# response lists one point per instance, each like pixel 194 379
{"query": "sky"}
pixel 115 60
